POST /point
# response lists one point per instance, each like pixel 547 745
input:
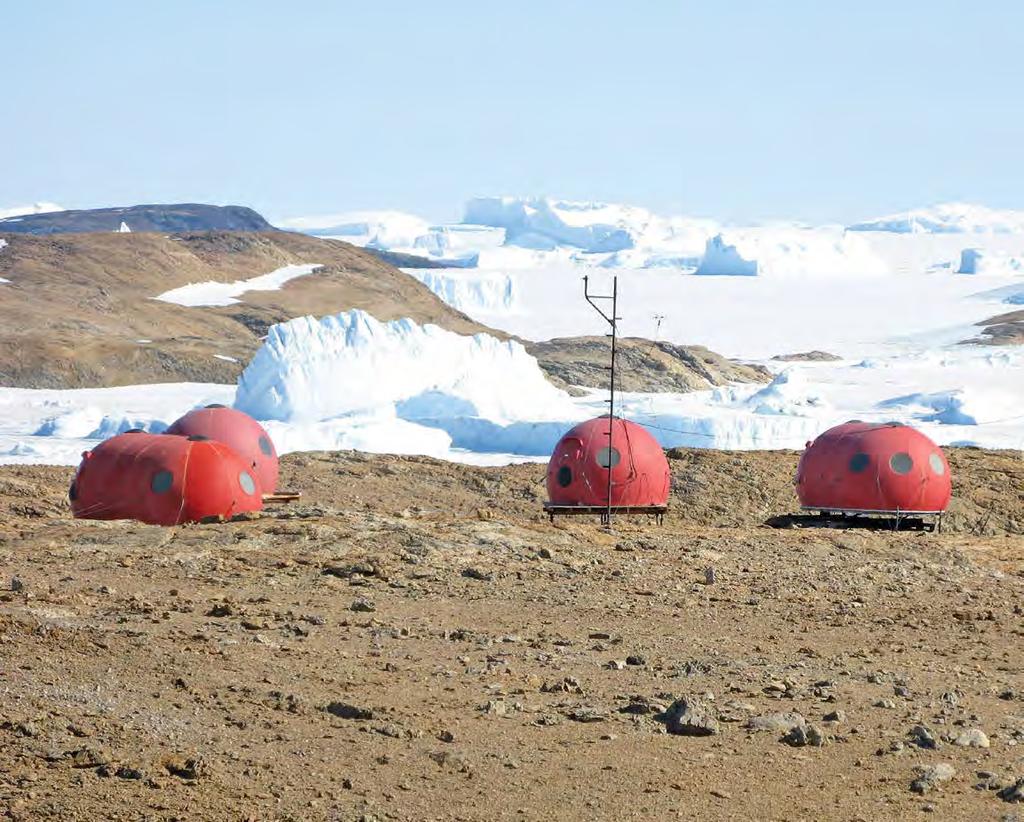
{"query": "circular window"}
pixel 73 492
pixel 214 405
pixel 266 447
pixel 565 476
pixel 901 463
pixel 608 457
pixel 247 482
pixel 938 466
pixel 161 482
pixel 858 462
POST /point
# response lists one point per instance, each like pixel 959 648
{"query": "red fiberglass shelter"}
pixel 162 480
pixel 237 430
pixel 874 467
pixel 578 469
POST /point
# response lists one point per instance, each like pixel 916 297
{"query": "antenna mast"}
pixel 613 322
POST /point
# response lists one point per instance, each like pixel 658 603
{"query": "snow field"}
pixel 211 293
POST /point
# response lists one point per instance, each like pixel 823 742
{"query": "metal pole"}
pixel 613 322
pixel 611 395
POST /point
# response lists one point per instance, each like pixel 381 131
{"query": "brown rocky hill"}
pixel 642 365
pixel 77 305
pixel 157 217
pixel 1003 329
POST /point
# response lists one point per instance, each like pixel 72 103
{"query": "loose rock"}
pixel 931 777
pixel 689 717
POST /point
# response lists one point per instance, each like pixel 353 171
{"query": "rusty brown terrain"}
pixel 414 640
pixel 77 305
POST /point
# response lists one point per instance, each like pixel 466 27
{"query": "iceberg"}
pixel 981 261
pixel 789 251
pixel 352 364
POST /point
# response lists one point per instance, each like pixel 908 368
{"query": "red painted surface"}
pixel 861 466
pixel 576 477
pixel 162 480
pixel 237 430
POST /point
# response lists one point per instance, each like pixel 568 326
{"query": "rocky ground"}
pixel 643 365
pixel 1003 329
pixel 414 640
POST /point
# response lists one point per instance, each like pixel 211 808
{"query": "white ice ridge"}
pixel 351 363
pixel 34 208
pixel 546 224
pixel 491 291
pixel 948 218
pixel 788 251
pixel 212 293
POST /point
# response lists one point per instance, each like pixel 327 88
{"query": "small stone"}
pixel 884 703
pixel 972 738
pixel 615 664
pixel 803 735
pixel 931 777
pixel 476 573
pixel 221 609
pixel 545 553
pixel 17 584
pixel 345 710
pixel 89 758
pixel 586 715
pixel 496 707
pixel 567 685
pixel 777 723
pixel 709 576
pixel 446 736
pixel 190 768
pixel 363 606
pixel 129 772
pixel 689 717
pixel 635 659
pixel 1014 792
pixel 923 738
pixel 834 716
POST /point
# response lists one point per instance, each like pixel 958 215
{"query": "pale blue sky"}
pixel 827 110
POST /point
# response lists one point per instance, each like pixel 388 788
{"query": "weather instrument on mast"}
pixel 607 465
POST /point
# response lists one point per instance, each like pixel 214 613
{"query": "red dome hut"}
pixel 237 430
pixel 578 469
pixel 162 480
pixel 874 468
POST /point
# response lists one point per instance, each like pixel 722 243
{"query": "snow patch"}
pixel 960 406
pixel 790 393
pixel 90 422
pixel 213 293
